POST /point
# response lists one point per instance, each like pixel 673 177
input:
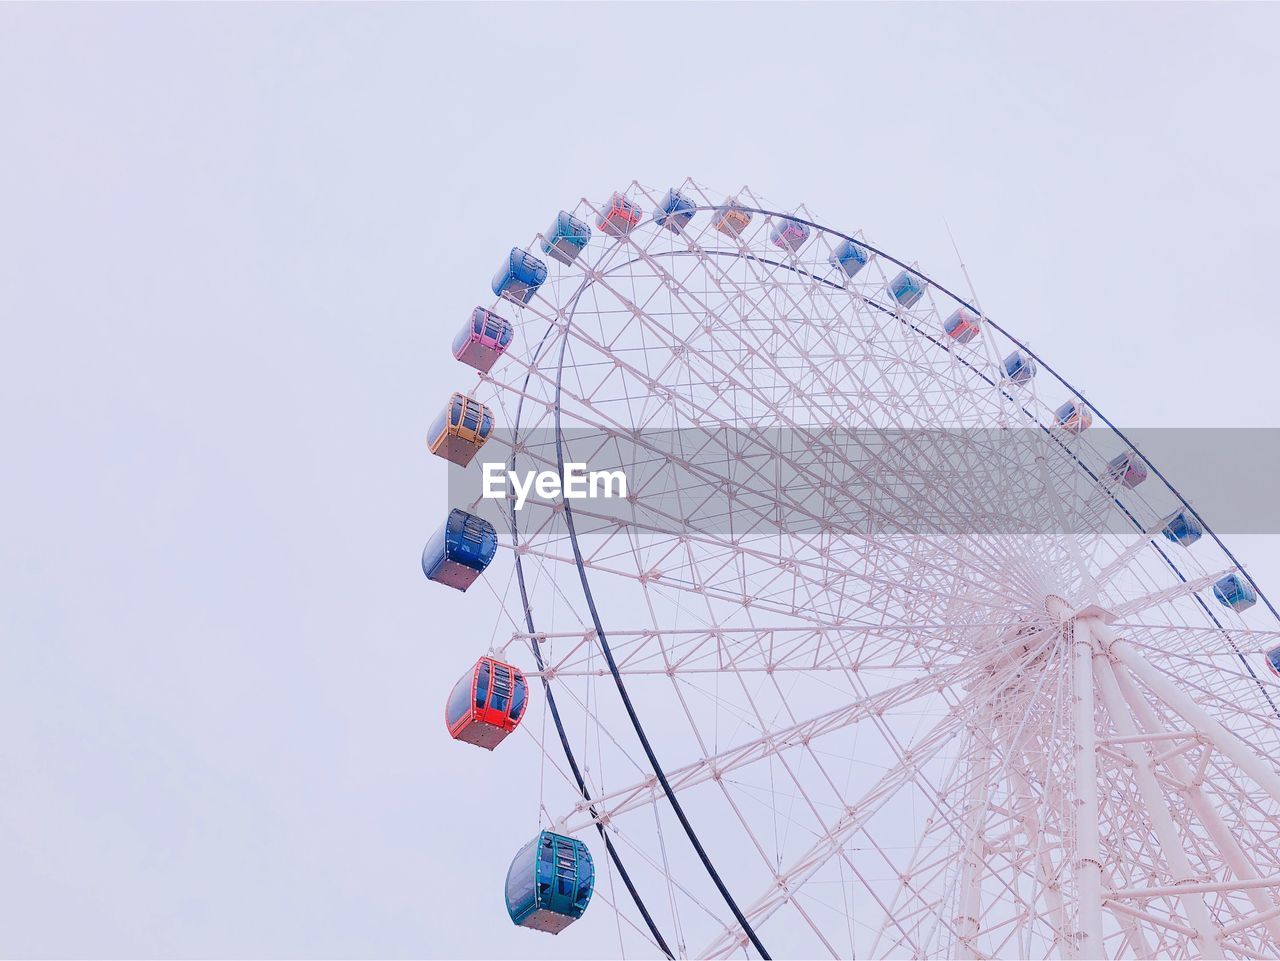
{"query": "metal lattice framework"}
pixel 842 678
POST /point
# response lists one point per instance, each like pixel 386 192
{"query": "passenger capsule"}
pixel 1235 592
pixel 1127 469
pixel 460 430
pixel 962 326
pixel 730 218
pixel 549 883
pixel 1019 367
pixel 850 257
pixel 789 234
pixel 520 276
pixel 906 288
pixel 1073 417
pixel 460 550
pixel 566 238
pixel 1273 660
pixel 487 703
pixel 1182 528
pixel 674 212
pixel 483 339
pixel 620 217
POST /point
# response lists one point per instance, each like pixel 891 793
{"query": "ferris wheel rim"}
pixel 578 559
pixel 1169 561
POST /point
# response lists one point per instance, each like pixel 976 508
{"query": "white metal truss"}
pixel 923 689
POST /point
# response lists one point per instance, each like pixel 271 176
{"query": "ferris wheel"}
pixel 894 646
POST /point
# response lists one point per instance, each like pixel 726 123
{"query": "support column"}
pixel 971 868
pixel 1088 854
pixel 1153 800
pixel 1223 740
pixel 1029 821
pixel 1206 812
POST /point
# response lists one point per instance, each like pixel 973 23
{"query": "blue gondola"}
pixel 566 238
pixel 674 212
pixel 788 234
pixel 906 288
pixel 1127 469
pixel 1273 661
pixel 1183 529
pixel 520 276
pixel 1235 592
pixel 1073 417
pixel 850 257
pixel 460 550
pixel 549 883
pixel 962 326
pixel 1019 367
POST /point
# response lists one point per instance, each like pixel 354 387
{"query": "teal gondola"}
pixel 566 238
pixel 549 883
pixel 907 288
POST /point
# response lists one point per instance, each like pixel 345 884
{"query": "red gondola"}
pixel 487 703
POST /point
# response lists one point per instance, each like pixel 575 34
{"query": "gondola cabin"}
pixel 460 430
pixel 850 257
pixel 1235 592
pixel 620 217
pixel 549 883
pixel 1019 367
pixel 483 339
pixel 674 212
pixel 789 234
pixel 730 218
pixel 1183 529
pixel 906 288
pixel 962 326
pixel 460 550
pixel 1127 469
pixel 487 703
pixel 1273 661
pixel 520 276
pixel 566 238
pixel 1073 417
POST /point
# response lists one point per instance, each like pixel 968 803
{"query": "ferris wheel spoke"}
pixel 850 821
pixel 661 389
pixel 612 804
pixel 769 649
pixel 1138 605
pixel 909 762
pixel 685 524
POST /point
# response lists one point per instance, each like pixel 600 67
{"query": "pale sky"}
pixel 235 242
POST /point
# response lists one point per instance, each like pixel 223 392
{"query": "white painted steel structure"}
pixel 915 698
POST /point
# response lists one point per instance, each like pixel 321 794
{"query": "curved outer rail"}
pixel 601 635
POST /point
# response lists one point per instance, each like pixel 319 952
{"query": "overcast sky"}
pixel 235 242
